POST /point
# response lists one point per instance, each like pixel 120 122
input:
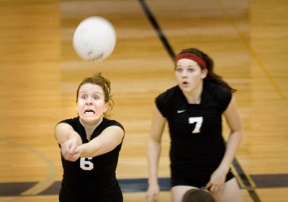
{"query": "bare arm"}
pixel 68 139
pixel 233 120
pixel 153 153
pixel 64 132
pixel 110 138
pixel 232 117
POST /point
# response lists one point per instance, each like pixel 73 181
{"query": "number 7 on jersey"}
pixel 198 121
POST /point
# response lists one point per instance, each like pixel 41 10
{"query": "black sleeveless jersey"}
pixel 92 176
pixel 197 145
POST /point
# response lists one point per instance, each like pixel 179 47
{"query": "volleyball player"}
pixel 193 110
pixel 90 144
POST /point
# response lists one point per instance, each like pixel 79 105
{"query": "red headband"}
pixel 192 56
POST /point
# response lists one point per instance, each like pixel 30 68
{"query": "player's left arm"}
pixel 108 140
pixel 233 120
pixel 232 117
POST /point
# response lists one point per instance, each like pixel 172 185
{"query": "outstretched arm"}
pixel 110 138
pixel 68 139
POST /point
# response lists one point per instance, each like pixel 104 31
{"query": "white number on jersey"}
pixel 198 121
pixel 85 164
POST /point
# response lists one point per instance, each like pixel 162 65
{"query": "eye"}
pixel 191 70
pixel 96 96
pixel 179 70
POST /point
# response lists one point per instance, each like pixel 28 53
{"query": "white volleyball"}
pixel 94 39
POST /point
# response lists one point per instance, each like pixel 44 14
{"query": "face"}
pixel 189 75
pixel 91 103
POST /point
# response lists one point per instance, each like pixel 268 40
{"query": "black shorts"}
pixel 111 196
pixel 198 181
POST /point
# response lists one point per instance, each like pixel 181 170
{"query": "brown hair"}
pixel 104 83
pixel 211 75
pixel 198 195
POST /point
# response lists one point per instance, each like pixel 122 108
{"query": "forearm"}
pixel 88 150
pixel 108 140
pixel 75 136
pixel 64 132
pixel 231 149
pixel 154 150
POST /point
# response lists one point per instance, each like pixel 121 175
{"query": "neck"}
pixel 90 127
pixel 194 96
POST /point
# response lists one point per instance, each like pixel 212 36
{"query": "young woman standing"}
pixel 193 109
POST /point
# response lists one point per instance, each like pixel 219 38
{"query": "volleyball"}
pixel 94 39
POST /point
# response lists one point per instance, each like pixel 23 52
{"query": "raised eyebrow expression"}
pixel 95 95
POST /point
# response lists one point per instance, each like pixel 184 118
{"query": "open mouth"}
pixel 89 111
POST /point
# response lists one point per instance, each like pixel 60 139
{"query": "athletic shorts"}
pixel 198 181
pixel 111 196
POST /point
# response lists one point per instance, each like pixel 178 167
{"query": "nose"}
pixel 88 101
pixel 184 73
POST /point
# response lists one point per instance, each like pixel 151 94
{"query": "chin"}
pixel 90 120
pixel 186 89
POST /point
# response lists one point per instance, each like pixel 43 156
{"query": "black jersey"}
pixel 88 179
pixel 197 145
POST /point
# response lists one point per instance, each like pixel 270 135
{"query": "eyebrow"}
pixel 81 92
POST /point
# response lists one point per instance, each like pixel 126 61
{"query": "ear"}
pixel 106 107
pixel 204 73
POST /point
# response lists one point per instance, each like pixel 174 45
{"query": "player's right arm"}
pixel 69 139
pixel 153 154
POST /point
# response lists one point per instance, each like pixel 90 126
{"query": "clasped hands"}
pixel 70 150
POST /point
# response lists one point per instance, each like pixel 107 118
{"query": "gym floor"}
pixel 40 72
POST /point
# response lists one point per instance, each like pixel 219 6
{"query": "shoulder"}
pixel 171 98
pixel 72 121
pixel 168 94
pixel 219 93
pixel 109 122
pixel 217 90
